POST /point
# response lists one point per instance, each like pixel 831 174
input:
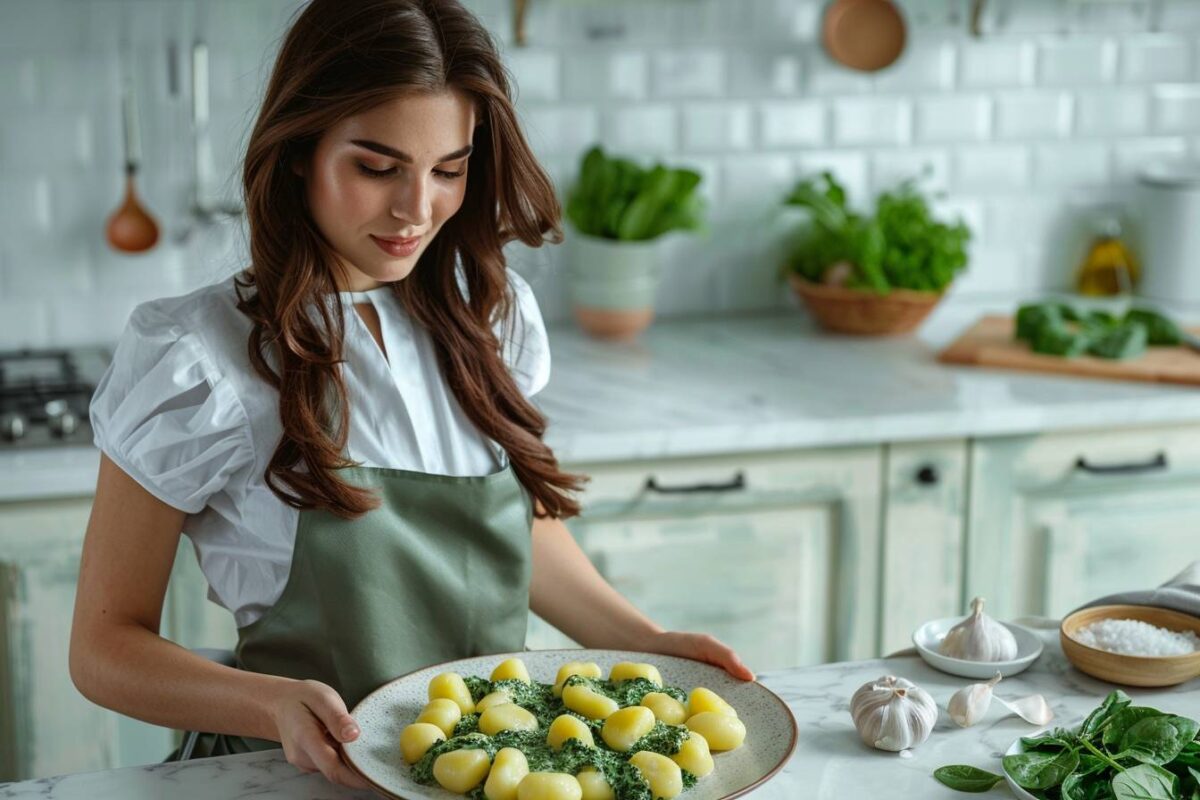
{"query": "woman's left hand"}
pixel 701 647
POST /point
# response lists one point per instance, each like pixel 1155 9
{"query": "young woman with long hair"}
pixel 344 429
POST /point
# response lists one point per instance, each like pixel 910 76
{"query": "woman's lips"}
pixel 397 248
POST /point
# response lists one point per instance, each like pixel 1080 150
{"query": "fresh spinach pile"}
pixel 901 247
pixel 1058 329
pixel 1120 752
pixel 615 198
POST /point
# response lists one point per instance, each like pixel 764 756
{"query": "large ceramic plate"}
pixel 770 727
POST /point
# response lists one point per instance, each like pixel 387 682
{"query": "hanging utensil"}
pixel 866 35
pixel 131 229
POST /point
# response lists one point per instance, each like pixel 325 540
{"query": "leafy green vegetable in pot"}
pixel 615 198
pixel 901 246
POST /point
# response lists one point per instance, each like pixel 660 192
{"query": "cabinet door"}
pixel 1059 520
pixel 776 555
pixel 923 537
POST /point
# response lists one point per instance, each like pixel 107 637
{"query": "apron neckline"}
pixel 433 477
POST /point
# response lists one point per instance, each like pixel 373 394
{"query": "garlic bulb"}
pixel 970 703
pixel 893 714
pixel 979 638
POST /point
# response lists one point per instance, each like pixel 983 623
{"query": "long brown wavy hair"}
pixel 343 57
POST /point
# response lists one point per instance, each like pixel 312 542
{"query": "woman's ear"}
pixel 298 167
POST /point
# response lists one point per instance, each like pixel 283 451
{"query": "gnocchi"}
pixel 702 699
pixel 417 738
pixel 665 708
pixel 627 670
pixel 585 668
pixel 461 770
pixel 549 786
pixel 624 727
pixel 594 785
pixel 451 686
pixel 443 713
pixel 721 731
pixel 585 700
pixel 566 727
pixel 508 770
pixel 694 755
pixel 511 669
pixel 507 717
pixel 663 775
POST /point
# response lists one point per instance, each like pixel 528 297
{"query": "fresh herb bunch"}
pixel 901 246
pixel 1120 752
pixel 616 198
pixel 1058 329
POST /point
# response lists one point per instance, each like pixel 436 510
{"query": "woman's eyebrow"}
pixel 383 149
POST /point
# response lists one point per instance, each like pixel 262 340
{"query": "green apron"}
pixel 439 571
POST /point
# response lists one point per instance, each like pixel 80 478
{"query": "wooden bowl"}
pixel 1125 669
pixel 864 312
pixel 616 325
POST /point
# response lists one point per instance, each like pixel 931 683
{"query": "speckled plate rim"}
pixel 346 750
pixel 971 669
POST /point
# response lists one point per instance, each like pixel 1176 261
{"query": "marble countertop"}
pixel 767 381
pixel 830 762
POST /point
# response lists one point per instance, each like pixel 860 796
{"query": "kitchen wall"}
pixel 1027 130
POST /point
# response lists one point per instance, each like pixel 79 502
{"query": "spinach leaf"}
pixel 1160 329
pixel 1040 770
pixel 1103 715
pixel 1123 719
pixel 1158 740
pixel 966 778
pixel 1125 340
pixel 1060 340
pixel 1081 786
pixel 1144 782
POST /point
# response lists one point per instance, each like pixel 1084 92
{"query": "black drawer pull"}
pixel 1154 464
pixel 737 484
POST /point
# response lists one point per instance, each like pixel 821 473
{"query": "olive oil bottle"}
pixel 1109 268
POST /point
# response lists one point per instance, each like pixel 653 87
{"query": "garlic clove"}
pixel 1033 709
pixel 970 703
pixel 979 638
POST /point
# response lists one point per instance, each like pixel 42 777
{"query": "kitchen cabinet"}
pixel 46 725
pixel 777 555
pixel 1059 519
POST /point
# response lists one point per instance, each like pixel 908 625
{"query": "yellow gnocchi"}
pixel 417 738
pixel 665 708
pixel 508 770
pixel 507 717
pixel 511 669
pixel 627 670
pixel 624 727
pixel 549 786
pixel 591 704
pixel 566 727
pixel 452 686
pixel 461 770
pixel 702 699
pixel 585 668
pixel 694 755
pixel 663 774
pixel 496 698
pixel 722 731
pixel 594 785
pixel 443 713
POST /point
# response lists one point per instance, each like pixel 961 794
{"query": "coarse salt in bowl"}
pixel 1133 637
pixel 1105 642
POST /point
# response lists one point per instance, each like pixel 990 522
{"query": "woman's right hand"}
pixel 312 720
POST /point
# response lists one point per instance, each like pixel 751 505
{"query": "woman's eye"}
pixel 441 173
pixel 374 173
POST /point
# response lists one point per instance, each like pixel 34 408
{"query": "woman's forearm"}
pixel 140 674
pixel 571 595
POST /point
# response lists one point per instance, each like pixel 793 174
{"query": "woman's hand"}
pixel 701 647
pixel 312 721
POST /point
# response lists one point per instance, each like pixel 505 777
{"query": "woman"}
pixel 344 430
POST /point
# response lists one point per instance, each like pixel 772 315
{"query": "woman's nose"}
pixel 411 203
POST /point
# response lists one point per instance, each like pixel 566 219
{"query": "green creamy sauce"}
pixel 539 699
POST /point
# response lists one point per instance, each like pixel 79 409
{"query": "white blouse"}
pixel 183 412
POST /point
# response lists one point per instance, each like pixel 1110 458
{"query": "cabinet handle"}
pixel 737 484
pixel 928 475
pixel 1158 462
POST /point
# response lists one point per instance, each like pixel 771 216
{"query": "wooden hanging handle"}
pixel 519 9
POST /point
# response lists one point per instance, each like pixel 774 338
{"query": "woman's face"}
pixel 395 172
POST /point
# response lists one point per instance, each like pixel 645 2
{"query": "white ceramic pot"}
pixel 612 284
pixel 1168 215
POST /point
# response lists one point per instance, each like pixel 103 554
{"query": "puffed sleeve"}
pixel 526 347
pixel 165 415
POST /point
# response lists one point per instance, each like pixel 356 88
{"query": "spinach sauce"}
pixel 539 699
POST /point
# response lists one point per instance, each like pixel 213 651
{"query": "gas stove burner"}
pixel 45 393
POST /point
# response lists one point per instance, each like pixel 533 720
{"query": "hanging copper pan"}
pixel 866 35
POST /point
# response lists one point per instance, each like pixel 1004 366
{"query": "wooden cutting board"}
pixel 990 343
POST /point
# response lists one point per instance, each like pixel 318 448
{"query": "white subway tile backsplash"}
pixel 992 270
pixel 24 323
pixel 991 168
pixel 825 76
pixel 1033 114
pixel 988 63
pixel 1071 165
pixel 971 211
pixel 929 168
pixel 765 73
pixel 621 75
pixel 1023 218
pixel 1179 16
pixel 45 141
pixel 954 118
pixel 799 123
pixel 710 176
pixel 645 128
pixel 1130 157
pixel 78 320
pixel 561 129
pixel 872 120
pixel 925 66
pixel 18 80
pixel 1077 61
pixel 1156 58
pixel 535 74
pixel 36 266
pixel 1177 108
pixel 717 126
pixel 689 73
pixel 1112 113
pixel 25 206
pixel 754 179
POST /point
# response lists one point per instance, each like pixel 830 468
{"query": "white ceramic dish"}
pixel 928 638
pixel 1016 748
pixel 771 730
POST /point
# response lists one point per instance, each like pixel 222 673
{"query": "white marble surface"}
pixel 714 385
pixel 830 762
